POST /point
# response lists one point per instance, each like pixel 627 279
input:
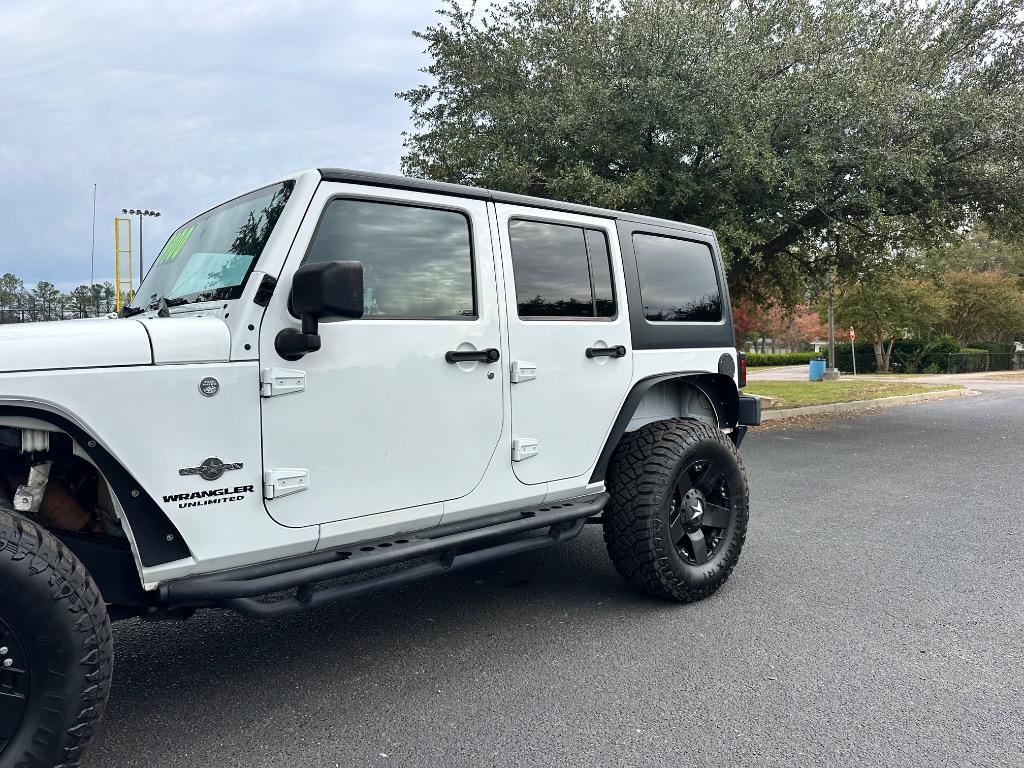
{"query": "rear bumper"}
pixel 749 411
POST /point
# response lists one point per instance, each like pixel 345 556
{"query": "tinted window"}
pixel 417 262
pixel 677 280
pixel 560 271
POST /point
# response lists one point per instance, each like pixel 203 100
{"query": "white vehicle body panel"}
pixel 189 340
pixel 73 344
pixel 385 423
pixel 155 421
pixel 565 408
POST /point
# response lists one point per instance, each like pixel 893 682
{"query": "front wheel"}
pixel 55 649
pixel 677 517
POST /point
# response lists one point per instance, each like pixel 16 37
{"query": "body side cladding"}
pixel 719 389
pixel 157 538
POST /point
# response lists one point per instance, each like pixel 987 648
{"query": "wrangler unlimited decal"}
pixel 214 496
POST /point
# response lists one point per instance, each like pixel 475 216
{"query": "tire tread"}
pixel 74 591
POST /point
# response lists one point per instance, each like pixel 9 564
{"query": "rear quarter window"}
pixel 678 280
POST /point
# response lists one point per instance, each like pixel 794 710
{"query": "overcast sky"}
pixel 179 105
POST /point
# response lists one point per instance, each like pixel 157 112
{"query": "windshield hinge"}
pixel 281 381
pixel 265 291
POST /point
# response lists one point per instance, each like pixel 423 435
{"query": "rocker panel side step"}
pixel 232 589
pixel 306 598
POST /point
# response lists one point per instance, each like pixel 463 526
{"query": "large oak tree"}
pixel 783 124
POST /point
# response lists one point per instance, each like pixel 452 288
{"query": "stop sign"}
pixel 853 335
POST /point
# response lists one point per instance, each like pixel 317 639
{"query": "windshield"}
pixel 210 257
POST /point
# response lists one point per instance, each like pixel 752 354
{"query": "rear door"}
pixel 569 345
pixel 387 420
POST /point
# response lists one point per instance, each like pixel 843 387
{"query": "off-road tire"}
pixel 60 627
pixel 641 479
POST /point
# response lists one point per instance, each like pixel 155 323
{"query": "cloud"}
pixel 177 106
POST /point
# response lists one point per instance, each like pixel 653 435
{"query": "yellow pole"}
pixel 119 225
pixel 117 265
pixel 131 279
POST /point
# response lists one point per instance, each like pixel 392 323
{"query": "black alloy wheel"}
pixel 700 511
pixel 14 684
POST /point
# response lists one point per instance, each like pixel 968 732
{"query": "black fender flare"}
pixel 720 390
pixel 157 539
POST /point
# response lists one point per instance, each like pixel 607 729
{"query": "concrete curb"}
pixel 863 405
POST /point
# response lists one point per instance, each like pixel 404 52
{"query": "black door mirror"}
pixel 328 290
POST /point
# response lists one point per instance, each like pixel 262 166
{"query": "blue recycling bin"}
pixel 817 370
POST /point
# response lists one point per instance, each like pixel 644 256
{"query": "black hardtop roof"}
pixel 369 178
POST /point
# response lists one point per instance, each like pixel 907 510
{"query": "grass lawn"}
pixel 792 394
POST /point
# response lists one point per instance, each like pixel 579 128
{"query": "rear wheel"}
pixel 55 649
pixel 677 518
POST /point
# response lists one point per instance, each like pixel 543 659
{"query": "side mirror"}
pixel 331 290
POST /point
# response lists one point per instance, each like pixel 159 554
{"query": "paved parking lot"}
pixel 875 619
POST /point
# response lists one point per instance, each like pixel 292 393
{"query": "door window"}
pixel 417 262
pixel 560 270
pixel 678 281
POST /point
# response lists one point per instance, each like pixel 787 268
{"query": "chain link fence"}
pixel 924 361
pixel 19 315
pixel 976 362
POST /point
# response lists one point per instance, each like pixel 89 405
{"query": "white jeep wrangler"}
pixel 344 371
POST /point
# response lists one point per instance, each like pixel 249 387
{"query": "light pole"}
pixel 140 213
pixel 831 373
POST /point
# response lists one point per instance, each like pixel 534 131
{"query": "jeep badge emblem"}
pixel 210 469
pixel 209 386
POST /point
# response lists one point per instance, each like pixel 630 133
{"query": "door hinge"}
pixel 283 482
pixel 524 448
pixel 523 370
pixel 281 381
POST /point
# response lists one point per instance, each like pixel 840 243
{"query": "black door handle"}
pixel 490 355
pixel 619 351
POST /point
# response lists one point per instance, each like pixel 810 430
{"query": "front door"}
pixel 569 341
pixel 387 420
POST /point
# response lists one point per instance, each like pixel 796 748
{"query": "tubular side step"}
pixel 306 598
pixel 236 588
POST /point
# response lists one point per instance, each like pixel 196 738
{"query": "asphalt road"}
pixel 875 619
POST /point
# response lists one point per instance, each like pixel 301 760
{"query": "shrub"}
pixel 919 355
pixel 996 347
pixel 757 359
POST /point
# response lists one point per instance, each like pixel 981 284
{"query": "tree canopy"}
pixel 983 307
pixel 884 310
pixel 782 124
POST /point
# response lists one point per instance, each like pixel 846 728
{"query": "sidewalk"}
pixel 986 379
pixel 777 414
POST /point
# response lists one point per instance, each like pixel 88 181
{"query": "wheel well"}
pixel 77 507
pixel 155 538
pixel 709 397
